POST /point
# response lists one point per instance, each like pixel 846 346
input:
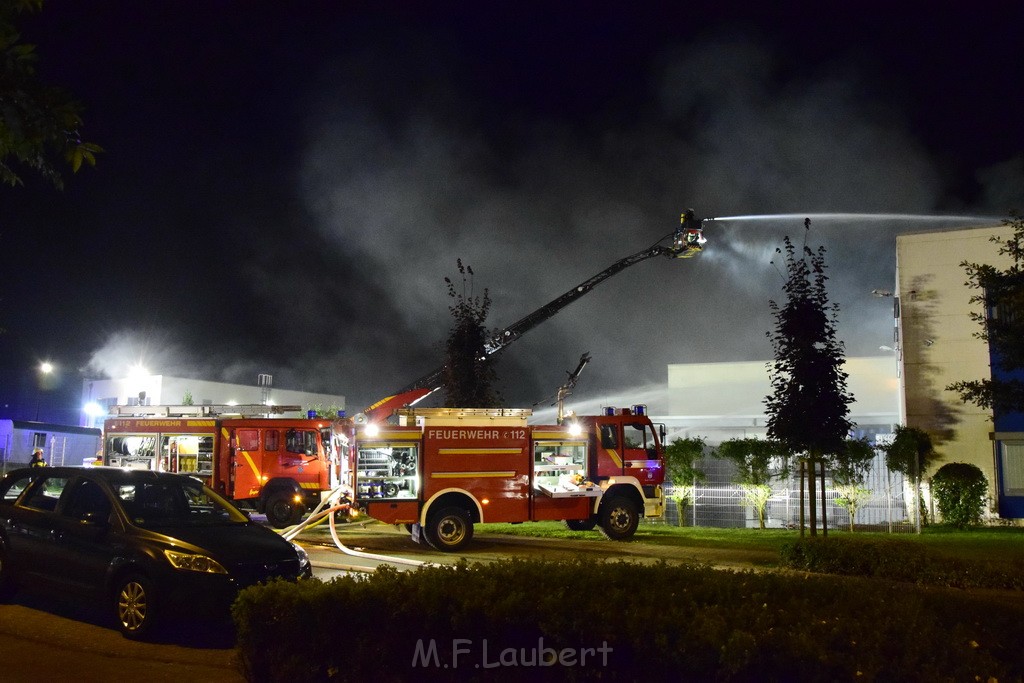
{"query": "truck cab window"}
pixel 609 437
pixel 639 436
pixel 249 439
pixel 301 441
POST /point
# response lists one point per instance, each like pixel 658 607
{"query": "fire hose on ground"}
pixel 317 516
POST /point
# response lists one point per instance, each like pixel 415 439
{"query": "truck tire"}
pixel 134 606
pixel 580 524
pixel 619 518
pixel 449 529
pixel 282 510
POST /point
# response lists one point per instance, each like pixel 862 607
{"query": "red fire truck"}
pixel 441 470
pixel 276 465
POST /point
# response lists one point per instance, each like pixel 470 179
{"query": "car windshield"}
pixel 178 501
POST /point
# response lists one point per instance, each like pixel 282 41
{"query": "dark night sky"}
pixel 285 185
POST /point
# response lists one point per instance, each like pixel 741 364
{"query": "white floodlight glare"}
pixel 575 429
pixel 371 430
pixel 137 372
pixel 92 409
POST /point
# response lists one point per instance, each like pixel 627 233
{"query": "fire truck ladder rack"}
pixel 208 410
pixel 476 413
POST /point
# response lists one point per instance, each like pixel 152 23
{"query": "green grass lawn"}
pixel 990 543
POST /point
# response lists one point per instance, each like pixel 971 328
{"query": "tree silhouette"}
pixel 469 375
pixel 38 122
pixel 809 405
pixel 1001 294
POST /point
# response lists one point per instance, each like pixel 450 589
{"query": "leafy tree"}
pixel 469 375
pixel 849 472
pixel 960 489
pixel 38 123
pixel 756 462
pixel 809 405
pixel 1001 294
pixel 910 453
pixel 331 412
pixel 681 469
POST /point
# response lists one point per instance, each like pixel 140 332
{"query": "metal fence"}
pixel 717 502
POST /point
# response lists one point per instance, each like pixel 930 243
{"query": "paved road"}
pixel 49 641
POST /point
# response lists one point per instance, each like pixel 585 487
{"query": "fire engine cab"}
pixel 275 465
pixel 441 470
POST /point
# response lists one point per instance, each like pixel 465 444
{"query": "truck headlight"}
pixel 192 562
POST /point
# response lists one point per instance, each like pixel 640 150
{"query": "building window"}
pixel 39 440
pixel 1013 468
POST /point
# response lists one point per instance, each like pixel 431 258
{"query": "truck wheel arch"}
pixel 630 488
pixel 453 496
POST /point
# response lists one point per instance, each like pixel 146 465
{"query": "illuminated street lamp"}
pixel 45 369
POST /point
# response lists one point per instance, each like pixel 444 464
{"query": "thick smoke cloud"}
pixel 396 189
pixel 724 134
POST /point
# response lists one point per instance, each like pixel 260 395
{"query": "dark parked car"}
pixel 143 542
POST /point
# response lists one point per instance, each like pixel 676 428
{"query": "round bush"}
pixel 960 490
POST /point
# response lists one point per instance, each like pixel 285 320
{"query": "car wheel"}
pixel 7 585
pixel 283 511
pixel 449 529
pixel 581 524
pixel 619 518
pixel 134 606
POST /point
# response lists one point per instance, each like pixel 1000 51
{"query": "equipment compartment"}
pixel 387 471
pixel 560 469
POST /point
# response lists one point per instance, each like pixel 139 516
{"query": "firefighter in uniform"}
pixel 37 458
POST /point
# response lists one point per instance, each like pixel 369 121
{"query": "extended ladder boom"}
pixel 688 240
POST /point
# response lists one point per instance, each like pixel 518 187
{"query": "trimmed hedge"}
pixel 580 620
pixel 899 561
pixel 960 489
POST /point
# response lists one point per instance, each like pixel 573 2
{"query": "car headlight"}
pixel 303 556
pixel 194 563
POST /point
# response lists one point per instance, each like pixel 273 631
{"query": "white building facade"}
pixel 938 347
